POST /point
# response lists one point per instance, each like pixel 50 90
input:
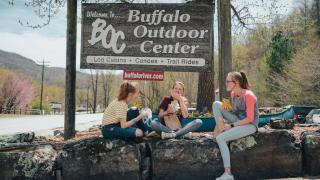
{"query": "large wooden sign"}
pixel 171 37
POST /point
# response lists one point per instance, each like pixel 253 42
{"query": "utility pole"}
pixel 41 94
pixel 225 48
pixel 87 98
pixel 70 89
pixel 41 91
pixel 318 15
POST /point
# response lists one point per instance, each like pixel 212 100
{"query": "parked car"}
pixel 296 112
pixel 301 111
pixel 313 116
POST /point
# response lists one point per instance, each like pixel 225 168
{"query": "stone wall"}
pixel 311 152
pixel 266 154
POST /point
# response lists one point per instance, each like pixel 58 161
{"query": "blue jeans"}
pixel 192 126
pixel 115 130
pixel 219 112
pixel 231 134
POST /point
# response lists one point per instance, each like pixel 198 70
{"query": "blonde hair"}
pixel 178 83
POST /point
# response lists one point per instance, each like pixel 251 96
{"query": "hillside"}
pixel 26 66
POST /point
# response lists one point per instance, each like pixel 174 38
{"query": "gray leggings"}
pixel 232 134
pixel 192 126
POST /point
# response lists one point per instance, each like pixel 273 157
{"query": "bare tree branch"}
pixel 236 13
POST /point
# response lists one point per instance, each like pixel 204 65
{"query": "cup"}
pixel 226 103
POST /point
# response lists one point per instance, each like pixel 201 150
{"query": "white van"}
pixel 313 116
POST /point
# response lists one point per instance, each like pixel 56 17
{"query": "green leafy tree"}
pixel 45 105
pixel 279 53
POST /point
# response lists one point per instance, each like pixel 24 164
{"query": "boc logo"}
pixel 100 33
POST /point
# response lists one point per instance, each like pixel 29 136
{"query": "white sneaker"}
pixel 225 176
pixel 187 136
pixel 167 135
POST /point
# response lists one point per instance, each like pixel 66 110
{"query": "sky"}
pixel 49 43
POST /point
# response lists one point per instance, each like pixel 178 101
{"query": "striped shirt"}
pixel 114 112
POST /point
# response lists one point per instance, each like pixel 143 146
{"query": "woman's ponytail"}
pixel 125 89
pixel 245 83
pixel 241 77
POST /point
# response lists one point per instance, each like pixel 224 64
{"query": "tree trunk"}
pixel 225 48
pixel 318 15
pixel 70 90
pixel 205 91
pixel 94 91
pixel 105 97
pixel 109 89
pixel 106 81
pixel 87 105
pixel 206 79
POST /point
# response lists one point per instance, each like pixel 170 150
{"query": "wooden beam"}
pixel 70 91
pixel 225 48
pixel 206 89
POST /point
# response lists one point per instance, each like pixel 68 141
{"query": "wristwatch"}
pixel 232 125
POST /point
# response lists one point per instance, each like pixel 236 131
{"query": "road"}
pixel 45 124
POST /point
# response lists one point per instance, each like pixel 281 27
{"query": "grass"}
pixel 11 115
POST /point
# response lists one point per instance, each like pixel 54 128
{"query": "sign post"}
pixel 70 89
pixel 225 45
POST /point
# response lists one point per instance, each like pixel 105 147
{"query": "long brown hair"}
pixel 125 89
pixel 242 78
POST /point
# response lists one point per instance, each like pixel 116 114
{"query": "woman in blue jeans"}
pixel 181 111
pixel 117 121
pixel 242 118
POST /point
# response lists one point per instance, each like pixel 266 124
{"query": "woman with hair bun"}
pixel 241 117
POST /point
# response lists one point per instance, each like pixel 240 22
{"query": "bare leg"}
pixel 220 115
pixel 219 127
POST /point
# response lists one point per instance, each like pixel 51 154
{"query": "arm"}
pixel 242 122
pixel 184 106
pixel 250 101
pixel 125 124
pixel 162 113
pixel 165 105
pixel 169 111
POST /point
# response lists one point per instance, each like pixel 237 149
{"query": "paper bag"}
pixel 172 122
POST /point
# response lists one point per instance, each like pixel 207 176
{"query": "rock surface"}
pixel 36 162
pixel 282 123
pixel 267 154
pixel 186 159
pixel 97 158
pixel 311 152
pixel 26 137
pixel 95 128
pixel 58 132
